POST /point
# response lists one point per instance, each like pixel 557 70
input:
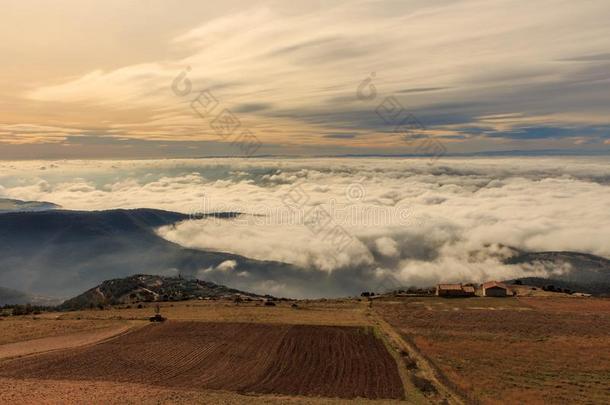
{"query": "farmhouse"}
pixel 469 289
pixel 454 290
pixel 494 289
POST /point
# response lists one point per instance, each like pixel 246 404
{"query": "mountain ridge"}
pixel 146 287
pixel 12 205
pixel 9 296
pixel 62 253
pixel 583 272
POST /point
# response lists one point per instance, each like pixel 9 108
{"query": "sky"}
pixel 413 221
pixel 141 79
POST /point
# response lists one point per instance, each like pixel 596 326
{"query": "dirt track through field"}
pixel 28 347
pixel 327 361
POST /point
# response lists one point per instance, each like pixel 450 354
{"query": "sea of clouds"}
pixel 352 221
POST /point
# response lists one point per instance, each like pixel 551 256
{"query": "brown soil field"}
pixel 328 312
pixel 557 305
pixel 49 392
pixel 509 350
pixel 86 337
pixel 321 361
pixel 20 328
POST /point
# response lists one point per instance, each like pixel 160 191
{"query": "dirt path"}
pixel 29 347
pixel 419 367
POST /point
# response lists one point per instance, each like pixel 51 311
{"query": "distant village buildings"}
pixel 488 289
pixel 494 289
pixel 455 290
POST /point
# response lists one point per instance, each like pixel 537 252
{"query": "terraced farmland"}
pixel 326 361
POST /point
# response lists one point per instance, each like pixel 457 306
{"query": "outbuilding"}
pixel 454 290
pixel 494 289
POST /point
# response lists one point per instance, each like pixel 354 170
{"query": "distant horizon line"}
pixel 490 153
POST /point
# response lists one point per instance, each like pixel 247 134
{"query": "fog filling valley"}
pixel 348 223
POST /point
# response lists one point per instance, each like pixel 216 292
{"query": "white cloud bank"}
pixel 416 222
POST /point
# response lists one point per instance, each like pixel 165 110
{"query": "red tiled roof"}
pixel 450 287
pixel 491 284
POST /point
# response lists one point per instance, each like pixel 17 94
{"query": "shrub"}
pixel 423 384
pixel 410 364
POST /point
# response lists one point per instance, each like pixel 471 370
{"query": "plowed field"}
pixel 328 361
pixel 504 350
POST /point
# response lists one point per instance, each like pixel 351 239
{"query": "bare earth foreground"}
pixel 76 339
pixel 309 360
pixel 507 350
pixel 417 350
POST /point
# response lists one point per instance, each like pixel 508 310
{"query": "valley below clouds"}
pixel 348 222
